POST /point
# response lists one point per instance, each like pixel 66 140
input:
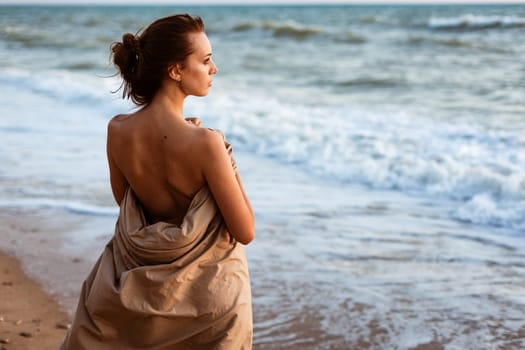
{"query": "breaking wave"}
pixel 282 29
pixel 471 22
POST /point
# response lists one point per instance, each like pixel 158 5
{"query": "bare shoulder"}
pixel 114 123
pixel 208 140
pixel 117 124
pixel 118 120
pixel 208 150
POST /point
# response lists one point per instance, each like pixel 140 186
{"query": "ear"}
pixel 174 72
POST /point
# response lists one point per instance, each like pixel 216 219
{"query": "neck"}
pixel 169 101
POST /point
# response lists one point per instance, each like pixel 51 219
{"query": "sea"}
pixel 383 148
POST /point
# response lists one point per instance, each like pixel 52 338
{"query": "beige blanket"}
pixel 164 286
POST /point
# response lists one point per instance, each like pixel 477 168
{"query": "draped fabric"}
pixel 166 286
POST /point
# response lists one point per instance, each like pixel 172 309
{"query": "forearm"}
pixel 246 200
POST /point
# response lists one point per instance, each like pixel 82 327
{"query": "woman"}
pixel 174 275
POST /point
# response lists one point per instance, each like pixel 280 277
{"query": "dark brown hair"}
pixel 143 59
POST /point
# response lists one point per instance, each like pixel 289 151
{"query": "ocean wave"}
pixel 456 43
pixel 294 30
pixel 471 22
pixel 371 19
pixel 369 82
pixel 487 209
pixel 451 42
pixel 244 26
pixel 49 203
pixel 351 38
pixel 365 82
pixel 395 152
pixel 92 22
pixel 80 66
pixel 70 86
pixel 29 38
pixel 282 29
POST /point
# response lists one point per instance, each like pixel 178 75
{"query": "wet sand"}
pixel 36 310
pixel 36 305
pixel 40 279
pixel 53 248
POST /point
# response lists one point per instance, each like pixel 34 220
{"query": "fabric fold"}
pixel 166 286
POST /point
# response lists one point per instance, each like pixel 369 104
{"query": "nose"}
pixel 214 68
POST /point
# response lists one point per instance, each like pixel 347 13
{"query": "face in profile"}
pixel 198 69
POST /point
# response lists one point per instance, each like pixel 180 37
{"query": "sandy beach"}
pixel 29 317
pixel 38 238
pixel 39 284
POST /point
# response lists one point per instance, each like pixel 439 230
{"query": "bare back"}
pixel 158 157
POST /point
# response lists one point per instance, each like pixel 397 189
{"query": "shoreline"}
pixel 57 248
pixel 331 268
pixel 45 255
pixel 54 248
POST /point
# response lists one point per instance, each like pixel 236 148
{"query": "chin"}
pixel 202 93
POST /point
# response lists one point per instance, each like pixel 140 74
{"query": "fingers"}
pixel 194 120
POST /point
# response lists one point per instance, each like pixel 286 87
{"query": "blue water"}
pixel 421 105
pixel 426 100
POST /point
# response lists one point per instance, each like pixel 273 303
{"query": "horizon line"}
pixel 265 3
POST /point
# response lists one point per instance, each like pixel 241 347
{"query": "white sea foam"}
pixel 384 150
pixel 288 28
pixel 53 203
pixel 470 21
pixel 64 85
pixel 387 151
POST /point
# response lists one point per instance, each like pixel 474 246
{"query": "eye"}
pixel 206 61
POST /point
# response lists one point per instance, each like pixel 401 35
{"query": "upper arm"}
pixel 118 181
pixel 227 190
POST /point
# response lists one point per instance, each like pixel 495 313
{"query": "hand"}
pixel 194 120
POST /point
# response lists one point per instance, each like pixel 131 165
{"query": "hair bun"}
pixel 131 43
